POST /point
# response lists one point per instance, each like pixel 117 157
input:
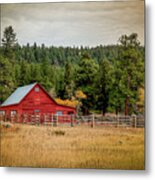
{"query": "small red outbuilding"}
pixel 33 99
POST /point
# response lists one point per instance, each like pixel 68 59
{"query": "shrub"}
pixel 7 126
pixel 59 133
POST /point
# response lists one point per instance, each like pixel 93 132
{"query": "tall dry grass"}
pixel 77 147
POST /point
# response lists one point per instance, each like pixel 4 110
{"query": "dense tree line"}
pixel 110 76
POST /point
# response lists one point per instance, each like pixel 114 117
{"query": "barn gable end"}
pixel 37 100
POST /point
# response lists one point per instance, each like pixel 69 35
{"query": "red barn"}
pixel 33 99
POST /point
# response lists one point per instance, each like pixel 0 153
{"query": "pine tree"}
pixel 85 79
pixel 103 85
pixel 132 70
pixel 6 78
pixel 25 73
pixel 69 84
pixel 8 41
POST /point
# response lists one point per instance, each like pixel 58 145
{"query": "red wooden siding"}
pixel 38 102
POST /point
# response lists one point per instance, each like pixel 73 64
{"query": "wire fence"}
pixel 74 120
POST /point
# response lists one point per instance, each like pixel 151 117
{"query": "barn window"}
pixel 36 110
pixel 2 112
pixel 59 113
pixel 13 112
pixel 36 89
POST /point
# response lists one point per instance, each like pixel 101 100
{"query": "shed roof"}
pixel 18 95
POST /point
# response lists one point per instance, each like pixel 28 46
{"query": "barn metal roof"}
pixel 18 95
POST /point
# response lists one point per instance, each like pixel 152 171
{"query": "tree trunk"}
pixel 127 106
pixel 103 112
pixel 116 111
pixel 127 97
pixel 104 107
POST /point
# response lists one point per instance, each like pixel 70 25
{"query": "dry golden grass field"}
pixel 72 147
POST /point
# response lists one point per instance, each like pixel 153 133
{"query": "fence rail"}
pixel 72 120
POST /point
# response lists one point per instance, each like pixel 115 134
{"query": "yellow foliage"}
pixel 73 102
pixel 141 97
pixel 140 102
pixel 79 94
pixel 67 102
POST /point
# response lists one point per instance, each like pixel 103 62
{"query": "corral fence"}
pixel 75 120
pixel 112 121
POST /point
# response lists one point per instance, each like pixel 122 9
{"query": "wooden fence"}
pixel 112 121
pixel 72 120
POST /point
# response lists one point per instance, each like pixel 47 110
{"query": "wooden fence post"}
pixel 93 121
pixel 52 120
pixel 38 120
pixel 135 121
pixel 4 117
pixel 44 120
pixel 22 118
pixel 17 119
pixel 10 118
pixel 117 120
pixel 56 120
pixel 71 118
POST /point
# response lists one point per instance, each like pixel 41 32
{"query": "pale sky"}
pixel 74 24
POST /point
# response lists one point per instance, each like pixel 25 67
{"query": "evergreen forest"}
pixel 101 79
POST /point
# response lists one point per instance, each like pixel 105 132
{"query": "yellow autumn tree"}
pixel 67 102
pixel 80 95
pixel 140 102
pixel 74 101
